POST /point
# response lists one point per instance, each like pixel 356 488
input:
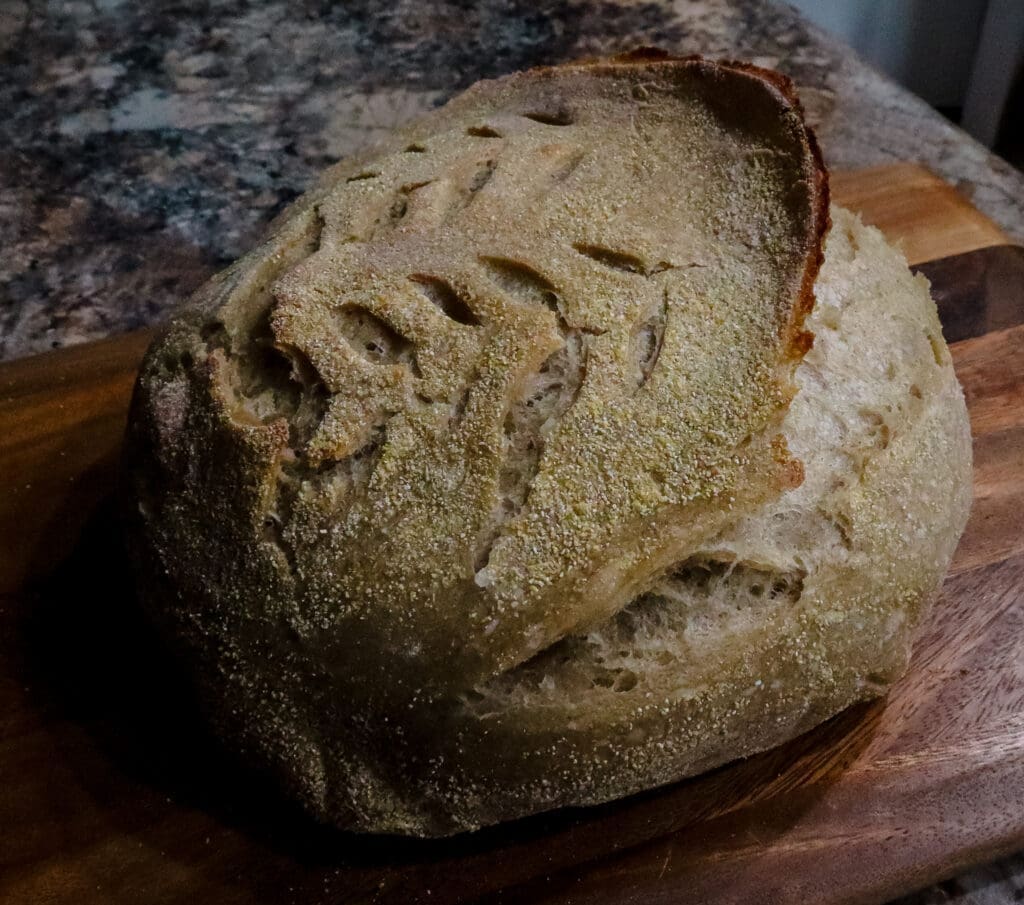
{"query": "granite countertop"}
pixel 144 146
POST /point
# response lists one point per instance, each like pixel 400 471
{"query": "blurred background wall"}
pixel 962 56
pixel 927 45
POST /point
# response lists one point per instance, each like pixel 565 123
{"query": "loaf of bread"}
pixel 517 468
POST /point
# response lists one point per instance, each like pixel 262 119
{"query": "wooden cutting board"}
pixel 110 791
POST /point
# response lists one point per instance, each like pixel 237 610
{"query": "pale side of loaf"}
pixel 480 488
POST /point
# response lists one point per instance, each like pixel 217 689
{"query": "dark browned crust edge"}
pixel 799 341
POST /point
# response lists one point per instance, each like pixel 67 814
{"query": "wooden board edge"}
pixel 954 226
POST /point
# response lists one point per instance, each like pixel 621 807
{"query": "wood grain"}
pixel 62 415
pixel 923 215
pixel 991 369
pixel 978 291
pixel 112 792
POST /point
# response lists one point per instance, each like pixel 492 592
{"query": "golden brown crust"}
pixel 479 392
pixel 800 341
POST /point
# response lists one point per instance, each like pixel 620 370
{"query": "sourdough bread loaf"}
pixel 514 469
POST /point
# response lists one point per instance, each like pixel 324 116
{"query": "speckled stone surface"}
pixel 145 145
